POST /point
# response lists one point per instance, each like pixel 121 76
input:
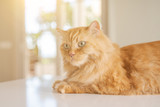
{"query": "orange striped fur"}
pixel 101 67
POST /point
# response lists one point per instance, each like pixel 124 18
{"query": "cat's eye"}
pixel 81 43
pixel 66 46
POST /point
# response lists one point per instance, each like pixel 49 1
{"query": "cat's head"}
pixel 80 44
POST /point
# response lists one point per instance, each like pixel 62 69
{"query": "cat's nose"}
pixel 71 54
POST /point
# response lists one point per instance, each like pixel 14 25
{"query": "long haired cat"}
pixel 96 65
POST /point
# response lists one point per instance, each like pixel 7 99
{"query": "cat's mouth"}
pixel 72 59
pixel 78 61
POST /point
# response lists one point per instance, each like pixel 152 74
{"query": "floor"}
pixel 37 92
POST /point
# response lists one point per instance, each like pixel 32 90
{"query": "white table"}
pixel 37 92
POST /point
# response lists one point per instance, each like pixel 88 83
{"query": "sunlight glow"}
pixel 46 41
pixel 33 9
pixel 47 48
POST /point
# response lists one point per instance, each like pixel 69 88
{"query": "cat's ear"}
pixel 60 31
pixel 94 27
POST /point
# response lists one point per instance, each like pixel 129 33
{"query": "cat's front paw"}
pixel 55 85
pixel 62 87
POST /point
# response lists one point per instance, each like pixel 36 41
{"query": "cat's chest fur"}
pixel 87 73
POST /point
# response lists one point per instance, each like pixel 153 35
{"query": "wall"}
pixel 134 21
pixel 11 39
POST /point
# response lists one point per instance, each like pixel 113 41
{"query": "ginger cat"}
pixel 96 65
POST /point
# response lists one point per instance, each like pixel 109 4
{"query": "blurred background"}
pixel 28 42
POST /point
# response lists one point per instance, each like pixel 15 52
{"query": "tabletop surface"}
pixel 38 92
